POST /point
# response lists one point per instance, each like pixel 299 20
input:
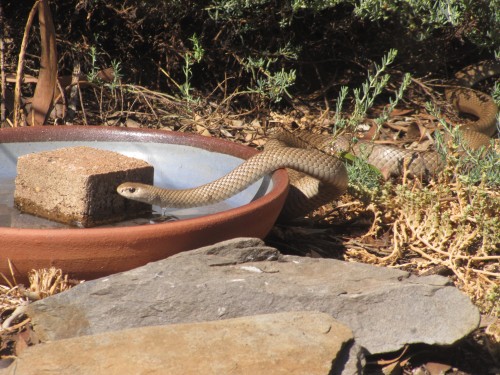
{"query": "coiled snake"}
pixel 323 177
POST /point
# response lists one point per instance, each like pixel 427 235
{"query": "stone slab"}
pixel 385 308
pixel 275 344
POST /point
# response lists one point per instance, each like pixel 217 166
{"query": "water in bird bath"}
pixel 12 217
pixel 176 166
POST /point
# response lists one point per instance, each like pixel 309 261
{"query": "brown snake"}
pixel 325 176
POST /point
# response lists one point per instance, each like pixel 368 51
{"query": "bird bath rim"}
pixel 260 213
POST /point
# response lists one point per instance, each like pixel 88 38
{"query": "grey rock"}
pixel 274 344
pixel 385 308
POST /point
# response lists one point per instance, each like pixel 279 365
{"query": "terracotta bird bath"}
pixel 180 160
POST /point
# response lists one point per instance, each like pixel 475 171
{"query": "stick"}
pixel 20 65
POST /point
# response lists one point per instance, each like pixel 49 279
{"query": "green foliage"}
pixel 470 167
pixel 364 98
pixel 231 9
pixel 371 88
pixel 420 17
pixel 270 49
pixel 117 76
pixel 479 167
pixel 496 93
pixel 190 58
pixel 266 83
pixel 364 179
pixel 493 300
pixel 278 26
pixel 93 74
pixel 423 17
pixel 393 102
pixel 94 68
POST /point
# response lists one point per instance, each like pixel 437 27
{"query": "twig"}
pixel 150 107
pixel 11 269
pixel 74 92
pixel 63 100
pixel 2 67
pixel 427 256
pixel 323 88
pixel 424 241
pixel 18 325
pixel 20 65
pixel 396 252
pixel 6 280
pixel 84 114
pixel 423 86
pixel 19 311
pixel 486 273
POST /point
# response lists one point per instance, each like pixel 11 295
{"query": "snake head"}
pixel 135 191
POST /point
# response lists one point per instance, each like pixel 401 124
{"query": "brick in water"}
pixel 77 185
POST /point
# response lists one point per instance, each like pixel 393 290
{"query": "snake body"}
pixel 467 100
pixel 323 176
pixel 325 179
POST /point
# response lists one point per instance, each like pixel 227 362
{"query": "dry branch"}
pixel 20 66
pixel 45 90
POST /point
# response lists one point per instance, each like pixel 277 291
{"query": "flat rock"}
pixel 385 308
pixel 286 343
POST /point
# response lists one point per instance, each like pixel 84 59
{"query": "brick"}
pixel 77 185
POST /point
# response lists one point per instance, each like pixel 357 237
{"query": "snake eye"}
pixel 131 190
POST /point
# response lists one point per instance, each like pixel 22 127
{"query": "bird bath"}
pixel 180 160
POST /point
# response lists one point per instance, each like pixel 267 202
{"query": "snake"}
pixel 317 174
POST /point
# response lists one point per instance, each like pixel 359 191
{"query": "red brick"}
pixel 77 185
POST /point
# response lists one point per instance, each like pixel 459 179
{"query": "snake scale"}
pixel 323 176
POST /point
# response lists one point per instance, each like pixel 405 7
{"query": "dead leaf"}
pixel 382 362
pixel 238 124
pixel 437 368
pixel 392 369
pixel 226 133
pixel 413 131
pixel 249 137
pixel 106 75
pixel 259 142
pixel 401 112
pixel 257 126
pixel 423 130
pixel 370 133
pixel 47 78
pixel 202 130
pixel 129 123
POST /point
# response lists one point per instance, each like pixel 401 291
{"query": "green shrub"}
pixel 269 50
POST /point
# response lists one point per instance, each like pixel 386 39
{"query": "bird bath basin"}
pixel 180 160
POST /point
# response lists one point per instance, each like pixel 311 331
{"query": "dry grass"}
pixel 14 296
pixel 445 228
pixel 15 328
